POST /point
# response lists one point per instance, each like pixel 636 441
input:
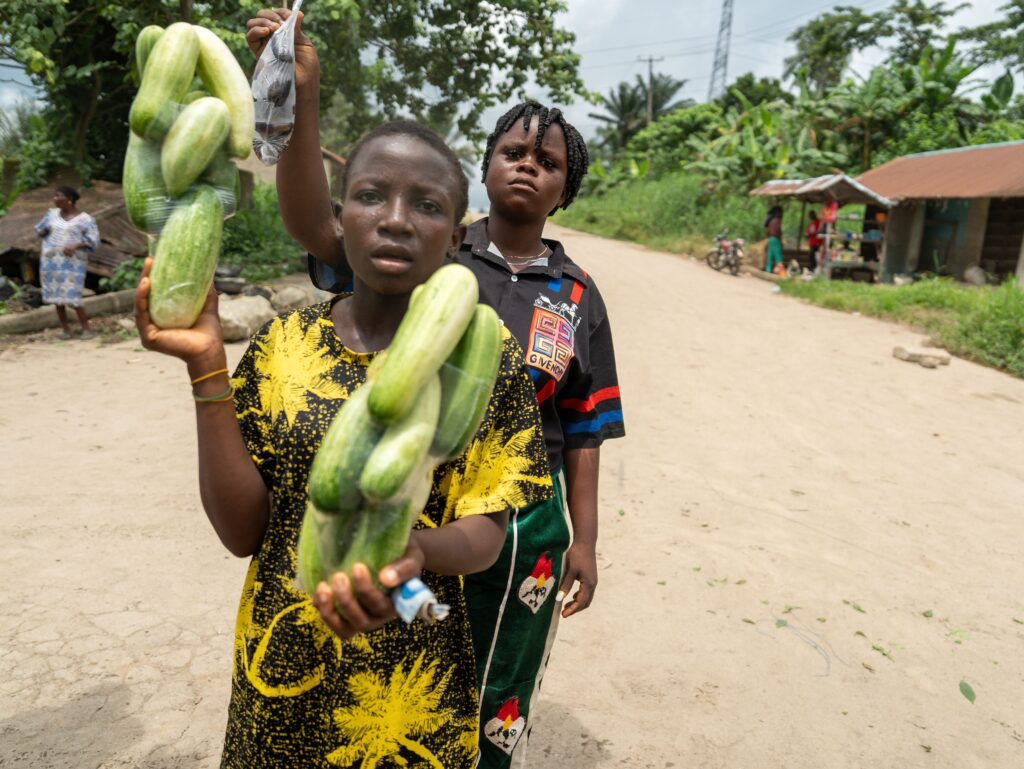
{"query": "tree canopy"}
pixel 387 58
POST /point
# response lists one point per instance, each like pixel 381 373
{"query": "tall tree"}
pixel 397 55
pixel 825 44
pixel 754 91
pixel 625 107
pixel 1000 41
pixel 914 26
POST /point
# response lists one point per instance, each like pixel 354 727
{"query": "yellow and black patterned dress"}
pixel 405 695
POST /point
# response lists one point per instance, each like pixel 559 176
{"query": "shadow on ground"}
pixel 90 729
pixel 559 739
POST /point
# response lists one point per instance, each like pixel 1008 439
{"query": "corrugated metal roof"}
pixel 987 171
pixel 101 200
pixel 823 188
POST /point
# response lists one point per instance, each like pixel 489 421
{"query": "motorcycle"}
pixel 726 253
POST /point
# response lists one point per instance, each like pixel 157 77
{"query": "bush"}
pixel 126 275
pixel 256 241
pixel 670 213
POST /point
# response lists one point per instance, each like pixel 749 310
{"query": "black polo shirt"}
pixel 558 316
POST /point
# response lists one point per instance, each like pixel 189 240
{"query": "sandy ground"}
pixel 806 546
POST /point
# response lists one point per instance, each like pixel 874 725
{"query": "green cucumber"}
pixel 142 182
pixel 404 445
pixel 144 45
pixel 167 76
pixel 222 174
pixel 185 259
pixel 223 78
pixel 350 439
pixel 192 142
pixel 430 330
pixel 468 383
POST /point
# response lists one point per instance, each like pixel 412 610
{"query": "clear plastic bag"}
pixel 377 532
pixel 273 91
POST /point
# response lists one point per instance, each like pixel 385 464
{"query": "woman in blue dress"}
pixel 69 236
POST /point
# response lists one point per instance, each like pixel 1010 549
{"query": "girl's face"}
pixel 398 215
pixel 523 182
pixel 61 200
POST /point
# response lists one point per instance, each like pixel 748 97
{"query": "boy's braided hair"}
pixel 427 136
pixel 576 148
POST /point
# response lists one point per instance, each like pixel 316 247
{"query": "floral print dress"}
pixel 63 276
pixel 404 695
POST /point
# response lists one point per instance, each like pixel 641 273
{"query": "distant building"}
pixel 954 209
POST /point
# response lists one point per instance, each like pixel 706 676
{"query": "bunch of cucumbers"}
pixel 423 401
pixel 192 114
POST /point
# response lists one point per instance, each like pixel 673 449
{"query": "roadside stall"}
pixel 852 243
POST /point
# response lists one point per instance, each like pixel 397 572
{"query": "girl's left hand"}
pixel 69 250
pixel 197 345
pixel 356 605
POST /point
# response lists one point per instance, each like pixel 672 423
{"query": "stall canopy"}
pixel 838 187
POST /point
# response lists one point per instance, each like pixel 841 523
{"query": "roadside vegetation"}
pixel 982 324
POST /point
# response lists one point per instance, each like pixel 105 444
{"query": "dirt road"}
pixel 806 547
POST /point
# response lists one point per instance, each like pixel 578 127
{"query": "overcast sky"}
pixel 612 34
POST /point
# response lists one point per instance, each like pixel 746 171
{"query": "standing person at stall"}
pixel 773 227
pixel 813 241
pixel 533 164
pixel 69 236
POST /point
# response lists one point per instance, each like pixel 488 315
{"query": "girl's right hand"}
pixel 257 35
pixel 203 342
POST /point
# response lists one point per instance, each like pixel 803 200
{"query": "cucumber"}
pixel 468 383
pixel 404 444
pixel 144 45
pixel 223 78
pixel 192 142
pixel 430 330
pixel 167 75
pixel 222 174
pixel 325 540
pixel 350 439
pixel 186 256
pixel 191 96
pixel 145 195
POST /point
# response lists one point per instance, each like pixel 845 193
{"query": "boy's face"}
pixel 398 215
pixel 524 183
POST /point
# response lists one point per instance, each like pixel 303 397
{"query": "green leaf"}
pixel 967 691
pixel 929 614
pixel 781 623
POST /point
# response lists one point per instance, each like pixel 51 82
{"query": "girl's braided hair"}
pixel 576 148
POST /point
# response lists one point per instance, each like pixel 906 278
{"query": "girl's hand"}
pixel 356 605
pixel 257 35
pixel 580 566
pixel 203 342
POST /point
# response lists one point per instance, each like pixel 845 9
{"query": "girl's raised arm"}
pixel 304 196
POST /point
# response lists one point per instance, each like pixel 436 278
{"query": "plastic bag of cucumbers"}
pixel 192 115
pixel 423 401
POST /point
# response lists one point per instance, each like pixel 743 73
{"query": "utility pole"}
pixel 650 84
pixel 718 70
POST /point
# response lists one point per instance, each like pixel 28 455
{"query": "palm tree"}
pixel 664 89
pixel 625 109
pixel 388 716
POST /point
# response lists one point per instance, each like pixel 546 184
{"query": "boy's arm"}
pixel 304 196
pixel 581 477
pixel 233 493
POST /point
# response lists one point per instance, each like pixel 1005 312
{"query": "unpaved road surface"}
pixel 806 547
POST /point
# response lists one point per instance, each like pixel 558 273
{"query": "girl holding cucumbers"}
pixel 356 688
pixel 533 164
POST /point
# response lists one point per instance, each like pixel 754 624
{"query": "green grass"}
pixel 979 323
pixel 667 213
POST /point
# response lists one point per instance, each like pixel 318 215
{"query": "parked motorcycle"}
pixel 726 253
